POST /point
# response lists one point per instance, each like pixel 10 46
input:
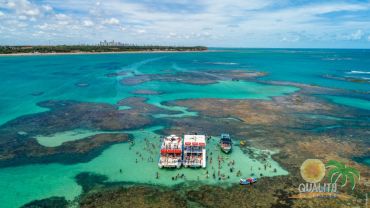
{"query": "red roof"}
pixel 187 143
pixel 195 143
pixel 202 144
pixel 176 151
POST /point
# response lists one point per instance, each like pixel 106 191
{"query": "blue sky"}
pixel 217 23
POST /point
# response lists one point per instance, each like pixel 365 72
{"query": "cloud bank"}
pixel 233 23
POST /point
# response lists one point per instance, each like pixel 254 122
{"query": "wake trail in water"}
pixel 180 69
pixel 358 72
pixel 135 66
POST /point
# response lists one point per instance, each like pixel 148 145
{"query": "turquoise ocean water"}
pixel 27 80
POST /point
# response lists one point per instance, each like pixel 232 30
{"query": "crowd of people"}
pixel 216 161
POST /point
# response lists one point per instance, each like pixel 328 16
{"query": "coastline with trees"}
pixel 93 49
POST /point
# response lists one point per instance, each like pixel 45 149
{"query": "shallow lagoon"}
pixel 25 183
pixel 353 102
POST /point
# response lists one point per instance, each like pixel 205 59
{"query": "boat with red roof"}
pixel 171 152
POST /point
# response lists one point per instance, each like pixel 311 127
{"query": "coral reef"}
pixel 18 145
pixel 194 77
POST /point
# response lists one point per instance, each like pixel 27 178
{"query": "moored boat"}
pixel 195 151
pixel 225 143
pixel 247 181
pixel 171 152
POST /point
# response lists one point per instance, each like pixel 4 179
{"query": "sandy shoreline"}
pixel 92 53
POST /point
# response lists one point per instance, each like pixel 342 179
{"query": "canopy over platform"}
pixel 195 140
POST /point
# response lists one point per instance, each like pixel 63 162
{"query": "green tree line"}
pixel 92 48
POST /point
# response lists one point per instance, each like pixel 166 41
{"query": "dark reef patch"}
pixel 98 192
pixel 147 92
pixel 28 150
pixel 117 74
pixel 88 181
pixel 267 192
pixel 55 202
pixel 139 105
pixel 68 115
pixel 275 192
pixel 194 77
pixel 347 78
pixel 16 149
pixel 284 124
pixel 136 196
pixel 292 110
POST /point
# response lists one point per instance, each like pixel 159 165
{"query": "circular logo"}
pixel 312 170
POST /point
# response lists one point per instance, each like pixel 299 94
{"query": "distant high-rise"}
pixel 111 43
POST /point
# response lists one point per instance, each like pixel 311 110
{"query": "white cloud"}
pixel 47 8
pixel 11 4
pixel 290 38
pixel 24 7
pixel 2 14
pixel 22 24
pixel 172 35
pixel 22 17
pixel 63 22
pixel 111 21
pixel 141 31
pixel 32 12
pixel 61 17
pixel 356 35
pixel 188 22
pixel 368 38
pixel 43 26
pixel 88 23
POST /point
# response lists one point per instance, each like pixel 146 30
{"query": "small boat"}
pixel 247 181
pixel 225 143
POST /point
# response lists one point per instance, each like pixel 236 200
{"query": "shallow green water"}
pixel 224 90
pixel 59 138
pixel 40 181
pixel 353 102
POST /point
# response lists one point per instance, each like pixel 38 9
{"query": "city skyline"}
pixel 265 23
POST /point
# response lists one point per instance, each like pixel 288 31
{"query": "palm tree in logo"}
pixel 340 170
